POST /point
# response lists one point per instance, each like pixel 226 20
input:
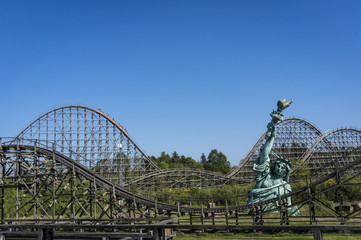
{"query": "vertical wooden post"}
pixel 202 213
pixel 95 198
pixel 2 180
pixel 317 234
pixel 155 209
pixel 17 173
pixel 235 200
pixel 54 178
pixel 311 207
pixel 178 211
pixel 227 213
pixel 35 180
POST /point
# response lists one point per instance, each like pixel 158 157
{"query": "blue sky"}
pixel 188 76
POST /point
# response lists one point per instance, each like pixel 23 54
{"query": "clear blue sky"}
pixel 188 76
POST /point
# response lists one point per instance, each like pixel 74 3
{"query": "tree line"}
pixel 216 162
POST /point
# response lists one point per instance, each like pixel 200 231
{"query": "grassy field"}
pixel 264 236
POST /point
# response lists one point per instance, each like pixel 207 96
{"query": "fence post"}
pixel 317 234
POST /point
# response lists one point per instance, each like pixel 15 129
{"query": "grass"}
pixel 265 236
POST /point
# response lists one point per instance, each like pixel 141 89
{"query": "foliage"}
pixel 300 170
pixel 217 195
pixel 265 235
pixel 217 162
pixel 165 161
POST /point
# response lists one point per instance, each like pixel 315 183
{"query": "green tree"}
pixel 217 162
pixel 175 158
pixel 164 161
pixel 203 159
pixel 300 170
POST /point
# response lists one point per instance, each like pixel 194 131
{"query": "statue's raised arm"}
pixel 272 178
pixel 271 130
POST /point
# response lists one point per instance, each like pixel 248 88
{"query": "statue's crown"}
pixel 281 159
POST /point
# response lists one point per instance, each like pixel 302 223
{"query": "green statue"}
pixel 272 178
